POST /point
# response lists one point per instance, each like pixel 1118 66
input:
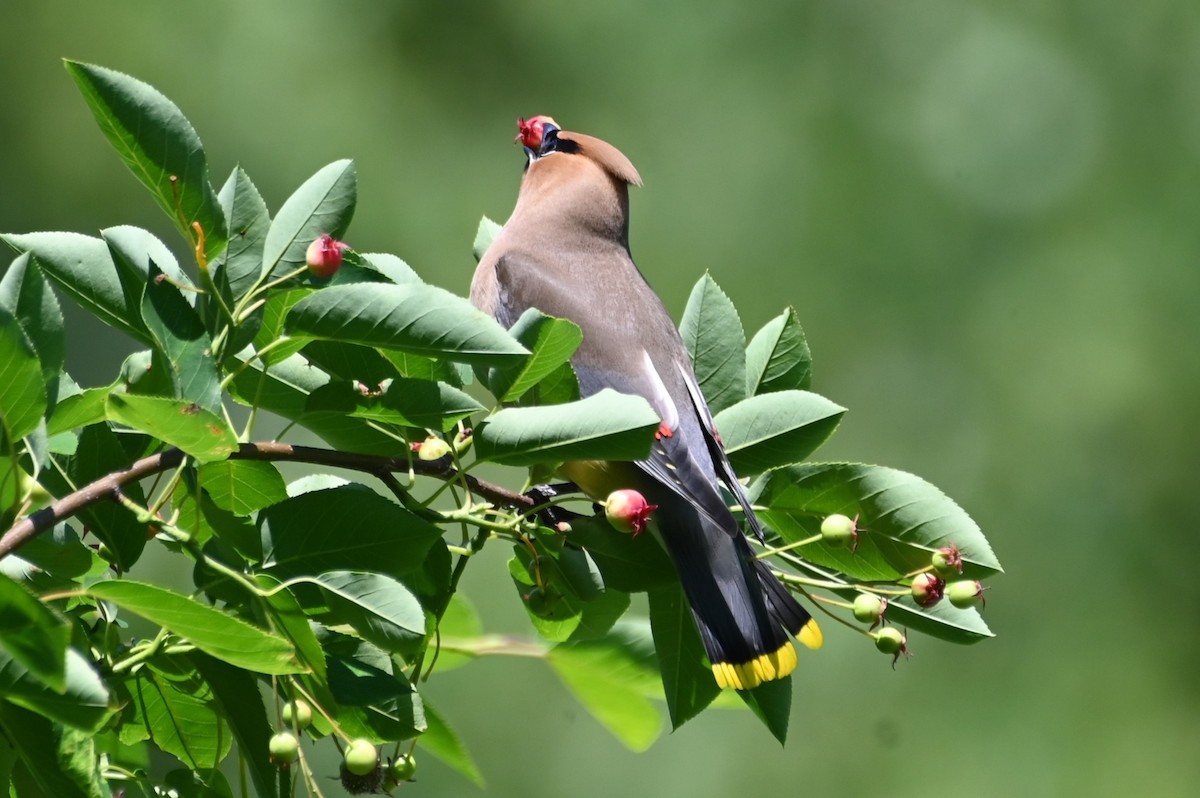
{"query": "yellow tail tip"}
pixel 811 635
pixel 764 668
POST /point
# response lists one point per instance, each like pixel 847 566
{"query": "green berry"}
pixel 432 448
pixel 889 640
pixel 839 530
pixel 284 748
pixel 403 768
pixel 297 714
pixel 361 757
pixel 869 608
pixel 947 561
pixel 965 593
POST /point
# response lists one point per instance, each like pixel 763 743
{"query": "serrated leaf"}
pixel 78 410
pixel 214 632
pixel 23 290
pixel 776 429
pixel 416 318
pixel 487 232
pixel 605 426
pixel 324 204
pixel 236 698
pixel 404 403
pixel 243 486
pixel 688 683
pixel 179 713
pixel 33 634
pixel 346 528
pixel 83 267
pixel 379 608
pixel 159 146
pixel 629 563
pixel 554 614
pixel 771 702
pixel 178 422
pixel 374 702
pixel 389 266
pixel 599 675
pixel 902 518
pixel 23 399
pixel 713 334
pixel 83 703
pixel 184 343
pixel 550 341
pixel 247 220
pixel 778 358
pixel 37 772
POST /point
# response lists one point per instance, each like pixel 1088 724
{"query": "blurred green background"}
pixel 986 214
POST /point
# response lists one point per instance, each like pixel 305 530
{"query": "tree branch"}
pixel 106 487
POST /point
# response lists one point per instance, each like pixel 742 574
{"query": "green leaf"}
pixel 99 453
pixel 374 702
pixel 776 429
pixel 605 426
pixel 83 267
pixel 288 617
pixel 902 518
pixel 323 204
pixel 236 698
pixel 554 612
pixel 348 528
pixel 243 486
pixel 79 410
pixel 441 741
pixel 777 358
pixel 157 143
pixel 24 292
pixel 33 634
pixel 404 403
pixel 247 220
pixel 712 332
pixel 38 771
pixel 184 343
pixel 487 232
pixel 350 362
pixel 284 389
pixel 180 715
pixel 629 563
pixel 379 608
pixel 23 399
pixel 416 318
pixel 598 674
pixel 178 422
pixel 771 702
pixel 274 314
pixel 77 757
pixel 389 266
pixel 688 683
pixel 83 704
pixel 551 343
pixel 212 631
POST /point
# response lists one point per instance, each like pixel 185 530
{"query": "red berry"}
pixel 324 256
pixel 927 589
pixel 628 511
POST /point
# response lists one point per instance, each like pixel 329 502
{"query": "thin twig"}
pixel 108 487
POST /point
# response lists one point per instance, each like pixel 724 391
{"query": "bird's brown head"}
pixel 541 136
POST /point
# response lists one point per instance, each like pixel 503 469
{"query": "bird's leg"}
pixel 552 515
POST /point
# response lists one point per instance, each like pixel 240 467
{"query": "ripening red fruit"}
pixel 628 511
pixel 324 256
pixel 838 530
pixel 927 589
pixel 531 131
pixel 965 593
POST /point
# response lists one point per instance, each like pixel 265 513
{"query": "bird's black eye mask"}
pixel 552 143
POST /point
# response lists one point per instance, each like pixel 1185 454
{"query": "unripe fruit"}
pixel 869 608
pixel 297 714
pixel 402 769
pixel 838 530
pixel 889 640
pixel 965 593
pixel 324 256
pixel 432 448
pixel 628 511
pixel 463 440
pixel 284 748
pixel 947 561
pixel 361 757
pixel 927 589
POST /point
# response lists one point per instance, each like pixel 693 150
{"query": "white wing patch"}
pixel 661 399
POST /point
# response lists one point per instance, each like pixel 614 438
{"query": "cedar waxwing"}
pixel 565 251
